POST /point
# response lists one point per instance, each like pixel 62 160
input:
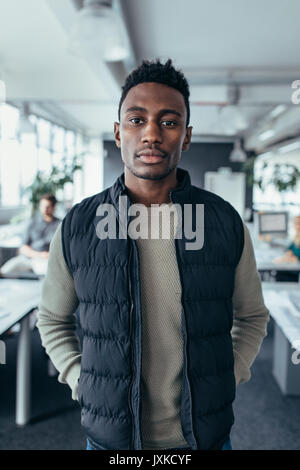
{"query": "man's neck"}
pixel 147 192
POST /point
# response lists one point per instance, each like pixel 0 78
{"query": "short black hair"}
pixel 49 197
pixel 155 71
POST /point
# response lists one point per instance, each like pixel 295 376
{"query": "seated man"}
pixel 291 256
pixel 293 253
pixel 36 240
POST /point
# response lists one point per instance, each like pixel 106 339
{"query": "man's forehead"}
pixel 153 95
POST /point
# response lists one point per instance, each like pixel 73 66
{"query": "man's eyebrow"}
pixel 135 108
pixel 162 111
pixel 170 111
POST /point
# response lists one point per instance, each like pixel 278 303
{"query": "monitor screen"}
pixel 272 222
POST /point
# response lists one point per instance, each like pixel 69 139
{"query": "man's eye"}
pixel 135 119
pixel 169 123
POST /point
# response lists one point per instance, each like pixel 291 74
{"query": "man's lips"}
pixel 150 156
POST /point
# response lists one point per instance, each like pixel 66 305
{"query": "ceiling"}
pixel 239 57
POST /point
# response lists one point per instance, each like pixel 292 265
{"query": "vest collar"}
pixel 181 192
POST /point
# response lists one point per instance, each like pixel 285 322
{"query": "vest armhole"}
pixel 66 254
pixel 240 232
pixel 241 238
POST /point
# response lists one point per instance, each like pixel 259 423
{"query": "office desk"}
pixel 283 301
pixel 264 255
pixel 18 298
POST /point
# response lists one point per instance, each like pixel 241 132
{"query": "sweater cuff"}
pixel 72 377
pixel 241 370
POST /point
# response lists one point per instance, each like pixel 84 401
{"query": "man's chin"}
pixel 153 173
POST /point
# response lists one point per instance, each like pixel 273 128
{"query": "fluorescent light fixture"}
pixel 265 155
pixel 233 117
pixel 289 147
pixel 277 110
pixel 265 135
pixel 99 29
pixel 237 154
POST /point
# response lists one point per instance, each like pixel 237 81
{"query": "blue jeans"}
pixel 226 446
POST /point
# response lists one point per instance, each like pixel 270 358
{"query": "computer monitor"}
pixel 272 223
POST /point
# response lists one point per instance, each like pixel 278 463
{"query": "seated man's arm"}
pixel 250 313
pixel 288 257
pixel 56 319
pixel 26 250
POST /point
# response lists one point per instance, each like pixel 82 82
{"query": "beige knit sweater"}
pixel 162 355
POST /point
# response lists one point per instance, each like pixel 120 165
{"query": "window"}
pixel 28 152
pixel 271 196
pixel 21 156
pixel 9 157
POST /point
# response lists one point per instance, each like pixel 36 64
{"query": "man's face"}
pixel 152 132
pixel 46 208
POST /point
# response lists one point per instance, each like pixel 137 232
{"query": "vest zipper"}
pixel 187 377
pixel 130 335
pixel 185 344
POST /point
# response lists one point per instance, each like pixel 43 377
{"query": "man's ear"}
pixel 187 139
pixel 117 134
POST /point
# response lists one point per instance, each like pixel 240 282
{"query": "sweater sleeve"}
pixel 250 313
pixel 56 319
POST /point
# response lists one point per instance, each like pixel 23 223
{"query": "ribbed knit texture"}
pixel 162 344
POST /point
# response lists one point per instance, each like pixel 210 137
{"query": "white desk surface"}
pixel 264 255
pixel 17 298
pixel 283 301
pixel 270 266
pixel 13 242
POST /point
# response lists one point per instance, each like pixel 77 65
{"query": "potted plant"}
pixel 57 179
pixel 284 175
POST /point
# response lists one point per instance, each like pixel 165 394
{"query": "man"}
pixel 160 360
pixel 36 239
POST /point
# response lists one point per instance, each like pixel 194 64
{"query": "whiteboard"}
pixel 231 186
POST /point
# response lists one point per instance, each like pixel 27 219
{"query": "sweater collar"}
pixel 179 193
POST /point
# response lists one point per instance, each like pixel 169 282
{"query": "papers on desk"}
pixel 294 298
pixel 17 299
pixel 5 311
pixel 285 309
pixel 39 266
pixel 290 300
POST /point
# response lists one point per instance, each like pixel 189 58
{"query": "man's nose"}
pixel 152 133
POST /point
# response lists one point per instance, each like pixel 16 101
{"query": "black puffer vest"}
pixel 107 283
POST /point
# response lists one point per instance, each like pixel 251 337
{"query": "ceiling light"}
pixel 237 154
pixel 277 110
pixel 265 135
pixel 99 29
pixel 289 147
pixel 234 117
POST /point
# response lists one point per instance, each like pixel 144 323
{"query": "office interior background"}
pixel 59 95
